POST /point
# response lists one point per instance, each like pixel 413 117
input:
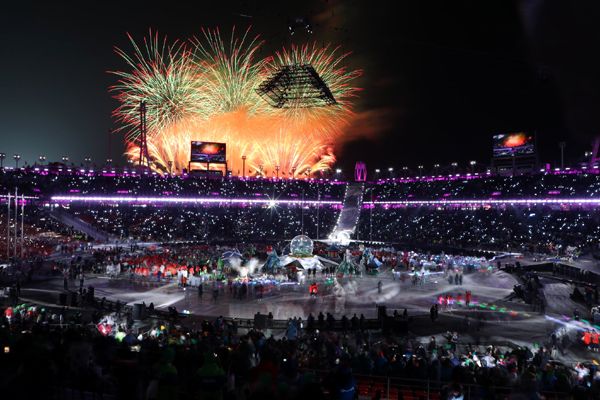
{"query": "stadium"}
pixel 232 250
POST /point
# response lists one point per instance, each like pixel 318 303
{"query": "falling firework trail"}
pixel 205 89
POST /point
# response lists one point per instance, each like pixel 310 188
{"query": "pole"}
pixel 388 389
pixel 22 223
pixel 318 207
pixel 371 218
pixel 8 228
pixel 16 221
pixel 302 214
pixel 109 152
pixel 514 165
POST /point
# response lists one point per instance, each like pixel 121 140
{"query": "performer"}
pixel 313 289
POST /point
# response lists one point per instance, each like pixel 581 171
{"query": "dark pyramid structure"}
pixel 296 86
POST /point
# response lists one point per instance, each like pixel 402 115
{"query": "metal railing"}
pixel 371 386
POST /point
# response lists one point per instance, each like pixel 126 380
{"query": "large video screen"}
pixel 208 152
pixel 513 144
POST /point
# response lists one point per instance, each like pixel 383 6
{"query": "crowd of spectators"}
pixel 220 360
pixel 537 229
pixel 216 224
pixel 42 234
pixel 539 185
pixel 35 183
pixel 501 227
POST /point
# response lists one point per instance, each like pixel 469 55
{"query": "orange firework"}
pixel 209 94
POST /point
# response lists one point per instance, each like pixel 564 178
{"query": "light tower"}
pixel 562 146
pixel 143 136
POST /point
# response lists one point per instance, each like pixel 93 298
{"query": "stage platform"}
pixel 492 318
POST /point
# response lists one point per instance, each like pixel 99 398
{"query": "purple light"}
pixel 187 200
pixel 476 202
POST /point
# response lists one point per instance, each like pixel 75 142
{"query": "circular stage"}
pixel 345 296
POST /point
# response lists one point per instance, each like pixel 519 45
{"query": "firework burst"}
pixel 162 75
pixel 206 90
pixel 230 71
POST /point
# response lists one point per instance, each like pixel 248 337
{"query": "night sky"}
pixel 438 78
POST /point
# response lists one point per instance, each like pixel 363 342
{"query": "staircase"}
pixel 348 218
pixel 81 226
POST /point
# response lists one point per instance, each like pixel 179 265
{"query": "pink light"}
pixel 476 202
pixel 187 200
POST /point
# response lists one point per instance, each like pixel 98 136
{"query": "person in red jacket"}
pixel 313 289
pixel 587 338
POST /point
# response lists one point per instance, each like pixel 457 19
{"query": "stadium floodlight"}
pixel 17 157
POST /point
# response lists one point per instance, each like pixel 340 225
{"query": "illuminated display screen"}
pixel 513 144
pixel 208 152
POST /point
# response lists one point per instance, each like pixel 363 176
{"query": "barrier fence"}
pixel 392 388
